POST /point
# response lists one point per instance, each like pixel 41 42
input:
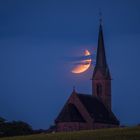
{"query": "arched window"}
pixel 99 89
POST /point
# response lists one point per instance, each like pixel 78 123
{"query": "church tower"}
pixel 101 79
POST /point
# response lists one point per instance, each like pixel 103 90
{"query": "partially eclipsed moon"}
pixel 84 64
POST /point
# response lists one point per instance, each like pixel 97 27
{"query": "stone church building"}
pixel 83 111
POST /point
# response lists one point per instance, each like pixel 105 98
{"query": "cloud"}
pixel 78 58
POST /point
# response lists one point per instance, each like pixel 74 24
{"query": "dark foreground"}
pixel 132 133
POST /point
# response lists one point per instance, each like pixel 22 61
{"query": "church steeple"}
pixel 101 58
pixel 101 80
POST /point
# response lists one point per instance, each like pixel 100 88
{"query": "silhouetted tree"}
pixel 2 120
pixel 19 128
pixel 2 123
pixel 15 128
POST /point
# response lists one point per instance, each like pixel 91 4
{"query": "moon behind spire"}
pixel 85 64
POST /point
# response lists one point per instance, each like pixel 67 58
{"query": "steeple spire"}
pixel 100 58
pixel 101 63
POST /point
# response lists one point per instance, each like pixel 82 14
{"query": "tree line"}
pixel 14 128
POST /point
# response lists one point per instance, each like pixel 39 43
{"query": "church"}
pixel 85 112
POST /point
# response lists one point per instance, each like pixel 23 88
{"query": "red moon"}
pixel 85 64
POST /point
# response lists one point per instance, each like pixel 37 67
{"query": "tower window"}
pixel 99 89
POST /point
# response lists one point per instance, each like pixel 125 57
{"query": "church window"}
pixel 99 89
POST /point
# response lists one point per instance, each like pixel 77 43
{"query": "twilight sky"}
pixel 38 36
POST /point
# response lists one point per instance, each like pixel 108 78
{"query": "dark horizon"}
pixel 37 37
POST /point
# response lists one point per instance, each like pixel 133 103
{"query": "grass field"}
pixel 132 133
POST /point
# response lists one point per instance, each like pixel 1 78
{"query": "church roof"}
pixel 94 107
pixel 97 110
pixel 69 113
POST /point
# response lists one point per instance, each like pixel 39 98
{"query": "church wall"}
pixel 103 125
pixel 76 126
pixel 73 126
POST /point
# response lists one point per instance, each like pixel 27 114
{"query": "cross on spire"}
pixel 74 89
pixel 100 17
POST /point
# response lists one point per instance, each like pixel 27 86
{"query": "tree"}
pixel 15 128
pixel 20 128
pixel 2 120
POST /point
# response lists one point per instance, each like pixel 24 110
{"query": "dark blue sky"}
pixel 36 37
